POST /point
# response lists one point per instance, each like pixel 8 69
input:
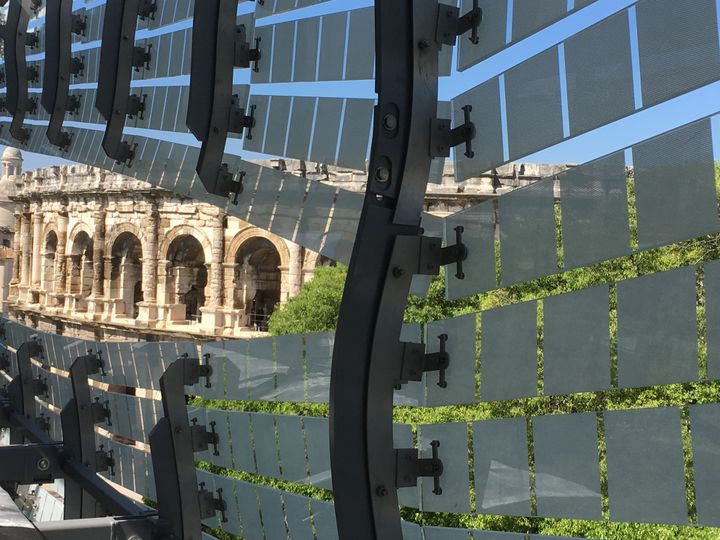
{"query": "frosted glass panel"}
pixel 361 45
pixel 261 369
pixel 403 438
pixel 502 482
pixel 453 452
pixel 297 511
pixel 318 355
pixel 576 341
pixel 220 418
pixel 332 47
pixel 283 41
pixel 266 455
pixel 292 448
pixel 527 233
pixel 247 498
pixel 600 86
pixel 445 533
pixel 306 49
pixel 678 45
pixel 712 315
pixel 485 102
pixel 355 136
pixel 327 127
pixel 241 441
pixel 324 520
pixel 317 437
pixel 460 375
pixel 675 186
pixel 492 37
pixel 493 535
pixel 301 121
pixel 478 223
pixel 595 223
pixel 276 132
pixel 655 347
pixel 567 471
pixel 534 115
pixel 290 367
pixel 232 514
pixel 646 481
pixel 272 513
pixel 509 346
pixel 705 426
pixel 531 15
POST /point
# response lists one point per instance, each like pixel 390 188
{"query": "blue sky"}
pixel 646 123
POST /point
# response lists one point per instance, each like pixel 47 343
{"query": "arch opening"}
pixel 126 275
pixel 187 275
pixel 47 275
pixel 81 270
pixel 257 281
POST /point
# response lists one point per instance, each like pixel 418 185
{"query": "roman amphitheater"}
pixel 97 255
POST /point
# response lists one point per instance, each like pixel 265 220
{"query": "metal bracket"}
pixel 126 153
pixel 43 423
pixel 193 370
pixel 230 183
pixel 209 504
pixel 40 387
pixel 4 361
pixel 450 24
pixel 238 120
pixel 77 66
pixel 443 137
pixel 409 467
pixel 101 411
pixel 136 106
pixel 415 362
pixel 147 9
pixel 73 104
pixel 32 39
pixel 141 57
pixel 105 460
pixel 33 74
pixel 30 463
pixel 432 255
pixel 78 24
pixel 202 438
pixel 244 55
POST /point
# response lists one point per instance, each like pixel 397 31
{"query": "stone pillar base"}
pixel 212 319
pixel 95 308
pixel 147 314
pixel 171 312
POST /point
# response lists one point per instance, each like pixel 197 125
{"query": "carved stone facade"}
pixel 102 256
pixel 109 257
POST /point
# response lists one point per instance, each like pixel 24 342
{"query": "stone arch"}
pixel 125 253
pixel 75 231
pixel 185 230
pixel 253 232
pixel 314 259
pixel 48 259
pixel 187 276
pixel 119 229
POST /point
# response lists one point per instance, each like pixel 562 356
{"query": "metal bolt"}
pixel 398 272
pixel 381 491
pixel 423 44
pixel 178 429
pixel 390 122
pixel 382 174
pixel 43 464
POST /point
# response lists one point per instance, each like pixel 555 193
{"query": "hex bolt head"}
pixel 382 174
pixel 390 122
pixel 43 464
pixel 423 44
pixel 381 491
pixel 398 272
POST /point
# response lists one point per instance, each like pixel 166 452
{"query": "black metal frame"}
pixel 18 102
pixel 369 361
pixel 59 67
pixel 219 45
pixel 118 57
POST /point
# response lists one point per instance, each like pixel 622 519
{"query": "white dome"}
pixel 11 153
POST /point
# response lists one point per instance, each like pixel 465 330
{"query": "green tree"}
pixel 317 306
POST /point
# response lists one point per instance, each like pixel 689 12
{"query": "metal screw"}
pixel 423 44
pixel 390 122
pixel 381 491
pixel 43 464
pixel 398 272
pixel 382 174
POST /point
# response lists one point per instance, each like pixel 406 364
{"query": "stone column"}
pixel 26 241
pixel 95 305
pixel 15 281
pixel 36 246
pixel 60 262
pixel 148 308
pixel 295 268
pixel 212 312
